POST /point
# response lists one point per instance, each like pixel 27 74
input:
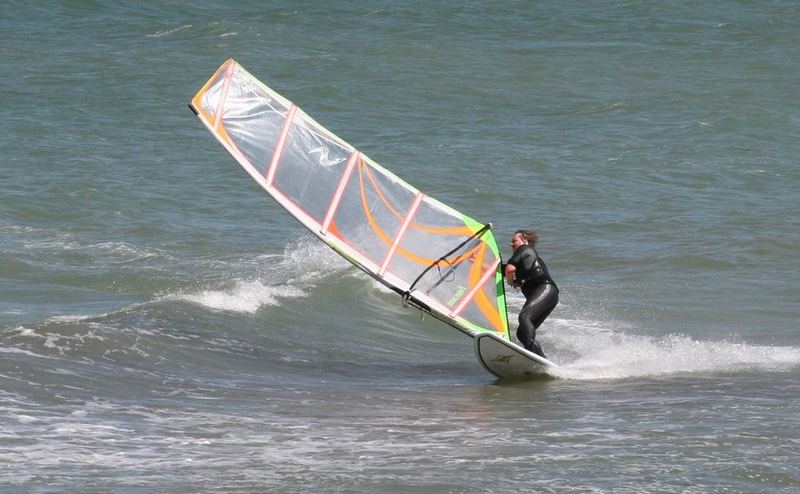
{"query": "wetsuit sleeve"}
pixel 520 258
pixel 514 259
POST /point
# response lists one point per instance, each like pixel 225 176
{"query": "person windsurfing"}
pixel 527 271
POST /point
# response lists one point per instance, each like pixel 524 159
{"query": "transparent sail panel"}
pixel 371 211
pixel 446 261
pixel 457 276
pixel 310 168
pixel 253 120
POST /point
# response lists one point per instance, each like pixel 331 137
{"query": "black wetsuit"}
pixel 541 295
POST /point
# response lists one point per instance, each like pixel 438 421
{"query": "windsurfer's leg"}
pixel 526 332
pixel 540 302
pixel 547 302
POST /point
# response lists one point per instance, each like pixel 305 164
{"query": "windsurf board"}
pixel 505 359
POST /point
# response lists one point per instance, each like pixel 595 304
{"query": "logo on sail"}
pixel 323 156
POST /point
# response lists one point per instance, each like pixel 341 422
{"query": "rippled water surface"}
pixel 164 326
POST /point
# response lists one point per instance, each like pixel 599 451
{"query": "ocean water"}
pixel 166 327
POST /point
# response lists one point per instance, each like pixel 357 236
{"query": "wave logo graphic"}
pixel 323 156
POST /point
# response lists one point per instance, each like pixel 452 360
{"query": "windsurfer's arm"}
pixel 509 271
pixel 486 266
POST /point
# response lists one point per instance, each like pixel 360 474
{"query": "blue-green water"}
pixel 164 326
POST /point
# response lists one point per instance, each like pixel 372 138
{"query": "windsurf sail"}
pixel 441 261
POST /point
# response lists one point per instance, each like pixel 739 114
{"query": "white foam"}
pixel 28 353
pixel 167 32
pixel 246 296
pixel 290 275
pixel 308 259
pixel 591 351
pixel 74 317
pixel 57 242
pixel 126 252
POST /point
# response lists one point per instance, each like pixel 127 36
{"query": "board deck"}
pixel 506 360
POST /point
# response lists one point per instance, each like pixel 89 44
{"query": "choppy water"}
pixel 165 327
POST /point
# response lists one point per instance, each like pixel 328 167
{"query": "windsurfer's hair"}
pixel 530 235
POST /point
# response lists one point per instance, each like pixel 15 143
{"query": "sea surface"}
pixel 166 327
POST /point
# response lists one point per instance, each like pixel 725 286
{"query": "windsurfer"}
pixel 526 270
